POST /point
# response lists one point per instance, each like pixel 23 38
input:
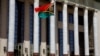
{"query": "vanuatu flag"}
pixel 44 11
pixel 44 15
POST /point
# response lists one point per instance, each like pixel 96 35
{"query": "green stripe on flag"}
pixel 44 15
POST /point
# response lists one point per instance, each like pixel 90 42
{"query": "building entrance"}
pixel 19 28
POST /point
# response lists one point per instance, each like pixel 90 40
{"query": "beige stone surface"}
pixel 3 44
pixel 43 49
pixel 26 48
pixel 57 49
pixel 98 28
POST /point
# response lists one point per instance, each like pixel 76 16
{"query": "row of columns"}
pixel 76 31
pixel 52 30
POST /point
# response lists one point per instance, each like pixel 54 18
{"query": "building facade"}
pixel 73 30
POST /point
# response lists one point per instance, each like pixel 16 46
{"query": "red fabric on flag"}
pixel 43 8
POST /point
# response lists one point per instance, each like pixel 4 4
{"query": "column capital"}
pixel 36 0
pixel 95 10
pixel 95 13
pixel 86 8
pixel 65 1
pixel 85 11
pixel 52 1
pixel 76 5
pixel 65 5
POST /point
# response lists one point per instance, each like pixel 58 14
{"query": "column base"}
pixel 26 48
pixel 43 50
pixel 10 54
pixel 52 54
pixel 65 54
pixel 35 54
pixel 3 47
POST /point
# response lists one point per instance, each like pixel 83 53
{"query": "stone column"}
pixel 86 35
pixel 11 30
pixel 26 43
pixel 96 49
pixel 76 31
pixel 3 27
pixel 36 30
pixel 65 31
pixel 52 31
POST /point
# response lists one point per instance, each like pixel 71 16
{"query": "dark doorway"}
pixel 48 35
pixel 19 27
pixel 81 43
pixel 60 41
pixel 71 42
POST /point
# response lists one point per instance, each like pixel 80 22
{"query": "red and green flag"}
pixel 43 11
pixel 44 15
pixel 42 8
